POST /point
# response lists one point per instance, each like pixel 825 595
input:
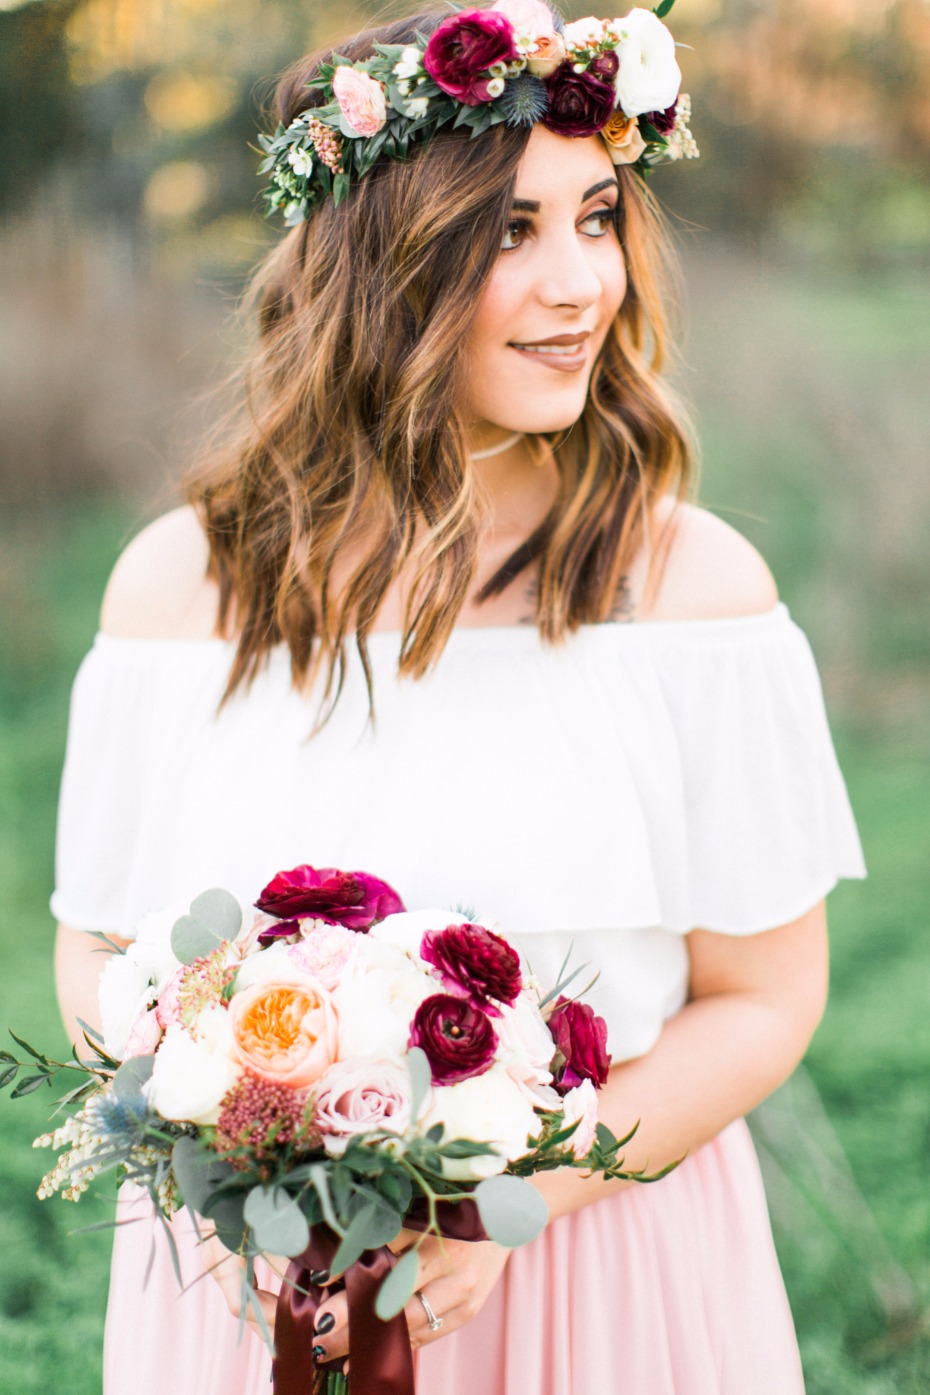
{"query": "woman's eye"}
pixel 513 235
pixel 603 218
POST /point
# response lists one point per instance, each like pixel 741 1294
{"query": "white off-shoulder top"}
pixel 614 792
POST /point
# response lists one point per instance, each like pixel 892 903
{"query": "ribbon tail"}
pixel 382 1358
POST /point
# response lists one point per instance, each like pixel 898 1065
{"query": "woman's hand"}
pixel 228 1270
pixel 456 1277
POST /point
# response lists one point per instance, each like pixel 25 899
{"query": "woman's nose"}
pixel 567 275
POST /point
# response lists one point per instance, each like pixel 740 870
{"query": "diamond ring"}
pixel 434 1322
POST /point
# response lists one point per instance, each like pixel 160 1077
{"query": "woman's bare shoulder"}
pixel 707 569
pixel 159 588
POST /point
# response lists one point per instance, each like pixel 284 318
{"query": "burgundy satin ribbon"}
pixel 382 1358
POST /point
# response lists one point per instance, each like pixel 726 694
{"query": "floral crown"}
pixel 515 62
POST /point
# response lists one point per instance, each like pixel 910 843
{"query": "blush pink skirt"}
pixel 668 1289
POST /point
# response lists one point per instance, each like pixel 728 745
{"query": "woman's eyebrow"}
pixel 532 205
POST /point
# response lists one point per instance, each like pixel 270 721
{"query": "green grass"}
pixel 851 1136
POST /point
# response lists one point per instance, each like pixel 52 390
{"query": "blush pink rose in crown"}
pixel 361 100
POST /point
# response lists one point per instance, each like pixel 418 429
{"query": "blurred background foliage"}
pixel 129 218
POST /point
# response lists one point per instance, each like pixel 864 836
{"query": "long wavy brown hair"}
pixel 348 439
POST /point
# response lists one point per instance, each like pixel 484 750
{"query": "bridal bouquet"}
pixel 311 1074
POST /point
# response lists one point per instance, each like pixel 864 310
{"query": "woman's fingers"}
pixel 268 1303
pixel 331 1328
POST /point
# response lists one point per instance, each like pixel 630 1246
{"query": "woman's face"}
pixel 558 281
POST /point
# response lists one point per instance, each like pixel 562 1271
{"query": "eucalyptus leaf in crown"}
pixel 516 63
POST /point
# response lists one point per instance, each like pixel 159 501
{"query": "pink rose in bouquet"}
pixel 361 1096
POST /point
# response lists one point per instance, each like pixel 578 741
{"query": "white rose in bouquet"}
pixel 526 1050
pixel 126 991
pixel 193 1072
pixel 487 1108
pixel 152 944
pixel 377 1004
pixel 324 956
pixel 581 1104
pixel 406 929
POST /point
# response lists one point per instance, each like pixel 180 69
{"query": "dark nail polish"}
pixel 318 1352
pixel 319 1276
pixel 326 1323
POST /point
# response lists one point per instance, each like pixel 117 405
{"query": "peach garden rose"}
pixel 285 1031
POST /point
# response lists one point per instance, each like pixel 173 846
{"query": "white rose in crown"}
pixel 490 1107
pixel 192 1072
pixel 649 78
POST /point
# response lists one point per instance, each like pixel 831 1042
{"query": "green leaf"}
pixel 8 1075
pixel 219 909
pixel 36 1055
pixel 398 1287
pixel 197 1172
pixel 279 1225
pixel 89 1031
pixel 321 1183
pixel 26 1087
pixel 421 1077
pixel 373 1226
pixel 192 939
pixel 512 1210
pixel 465 1148
pixel 131 1076
pixel 397 1190
pixel 662 9
pixel 604 1136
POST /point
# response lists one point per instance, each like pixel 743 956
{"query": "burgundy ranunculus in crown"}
pixel 663 121
pixel 352 899
pixel 579 104
pixel 581 1036
pixel 457 1037
pixel 476 962
pixel 461 50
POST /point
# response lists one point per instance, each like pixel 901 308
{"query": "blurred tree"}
pixel 39 119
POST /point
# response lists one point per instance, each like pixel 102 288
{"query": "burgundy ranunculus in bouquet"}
pixel 316 1072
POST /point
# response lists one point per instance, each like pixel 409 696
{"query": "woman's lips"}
pixel 562 357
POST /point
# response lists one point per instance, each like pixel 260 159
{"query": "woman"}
pixel 593 717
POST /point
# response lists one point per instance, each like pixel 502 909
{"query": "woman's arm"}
pixel 754 1004
pixel 78 966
